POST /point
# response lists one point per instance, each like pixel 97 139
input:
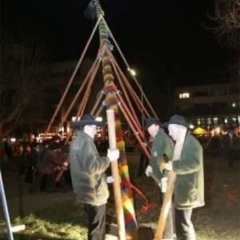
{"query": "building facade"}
pixel 210 105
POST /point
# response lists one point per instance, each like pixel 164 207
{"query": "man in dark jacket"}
pixel 162 148
pixel 187 162
pixel 88 174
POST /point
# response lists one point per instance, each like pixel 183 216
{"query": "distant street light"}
pixel 132 72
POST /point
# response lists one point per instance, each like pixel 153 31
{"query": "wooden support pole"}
pixel 167 201
pixel 116 176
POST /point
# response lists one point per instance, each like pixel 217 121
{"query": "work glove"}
pixel 164 183
pixel 110 179
pixel 148 171
pixel 169 166
pixel 113 154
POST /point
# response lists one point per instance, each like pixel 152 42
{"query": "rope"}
pixel 133 93
pixel 145 208
pixel 136 124
pixel 88 91
pixel 123 88
pixel 97 103
pixel 94 65
pixel 124 109
pixel 99 110
pixel 84 103
pixel 128 67
pixel 72 77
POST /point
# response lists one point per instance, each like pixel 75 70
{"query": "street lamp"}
pixel 132 72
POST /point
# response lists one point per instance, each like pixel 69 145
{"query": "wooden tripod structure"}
pixel 125 99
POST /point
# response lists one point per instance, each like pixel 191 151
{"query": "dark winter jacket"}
pixel 88 171
pixel 162 144
pixel 51 160
pixel 189 185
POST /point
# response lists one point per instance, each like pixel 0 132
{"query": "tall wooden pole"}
pixel 166 205
pixel 116 177
pixel 112 103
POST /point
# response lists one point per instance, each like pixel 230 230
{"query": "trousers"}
pixel 96 218
pixel 184 226
pixel 169 227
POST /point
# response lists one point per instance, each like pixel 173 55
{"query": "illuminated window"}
pixel 234 119
pixel 184 95
pixel 209 120
pixel 215 120
pixel 203 121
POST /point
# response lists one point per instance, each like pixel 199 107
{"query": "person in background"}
pixel 52 160
pixel 187 162
pixel 8 149
pixel 230 146
pixel 3 158
pixel 161 150
pixel 28 163
pixel 87 170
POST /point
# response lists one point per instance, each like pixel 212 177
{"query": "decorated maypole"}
pixel 111 102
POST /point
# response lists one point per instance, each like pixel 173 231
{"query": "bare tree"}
pixel 22 69
pixel 226 17
pixel 225 25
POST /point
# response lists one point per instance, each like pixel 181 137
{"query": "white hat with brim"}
pixel 176 119
pixel 86 119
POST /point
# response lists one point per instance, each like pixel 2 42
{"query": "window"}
pixel 218 90
pixel 200 94
pixel 215 120
pixel 203 122
pixel 184 95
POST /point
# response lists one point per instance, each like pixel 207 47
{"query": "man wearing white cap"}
pixel 161 151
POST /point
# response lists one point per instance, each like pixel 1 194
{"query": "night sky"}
pixel 163 40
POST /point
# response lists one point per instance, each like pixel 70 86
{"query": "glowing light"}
pixel 218 130
pixel 99 119
pixel 61 129
pixel 74 119
pixel 191 126
pixel 184 95
pixel 132 72
pixel 12 140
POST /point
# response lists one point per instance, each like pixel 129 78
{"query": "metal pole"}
pixel 5 209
